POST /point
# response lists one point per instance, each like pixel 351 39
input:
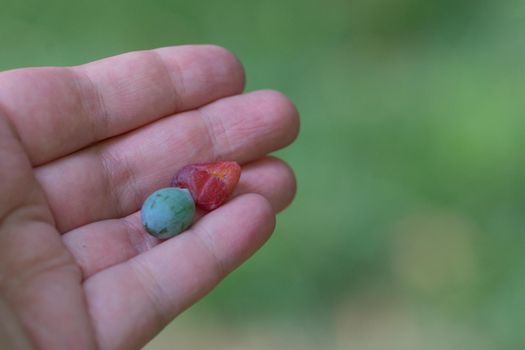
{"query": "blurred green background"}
pixel 407 230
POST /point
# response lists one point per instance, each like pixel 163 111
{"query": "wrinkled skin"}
pixel 82 147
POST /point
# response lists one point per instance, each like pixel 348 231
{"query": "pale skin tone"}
pixel 82 147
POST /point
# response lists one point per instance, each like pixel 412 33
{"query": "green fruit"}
pixel 167 212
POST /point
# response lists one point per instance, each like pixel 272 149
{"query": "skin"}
pixel 82 147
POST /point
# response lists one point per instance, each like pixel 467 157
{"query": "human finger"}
pixel 58 110
pixel 103 244
pixel 111 180
pixel 132 301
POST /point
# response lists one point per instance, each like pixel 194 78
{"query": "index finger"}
pixel 57 111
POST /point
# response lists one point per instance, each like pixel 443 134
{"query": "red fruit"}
pixel 210 184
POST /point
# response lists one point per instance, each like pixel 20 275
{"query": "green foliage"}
pixel 411 176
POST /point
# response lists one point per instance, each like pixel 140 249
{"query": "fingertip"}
pixel 272 178
pixel 236 230
pixel 251 212
pixel 232 63
pixel 284 111
pixel 264 211
pixel 259 228
pixel 291 190
pixel 288 183
pixel 251 125
pixel 198 64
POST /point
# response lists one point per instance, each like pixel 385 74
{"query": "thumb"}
pixel 40 285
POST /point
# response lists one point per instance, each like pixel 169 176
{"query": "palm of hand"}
pixel 80 148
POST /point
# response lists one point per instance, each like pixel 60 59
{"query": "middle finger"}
pixel 111 179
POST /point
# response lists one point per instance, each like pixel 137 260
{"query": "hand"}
pixel 82 147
